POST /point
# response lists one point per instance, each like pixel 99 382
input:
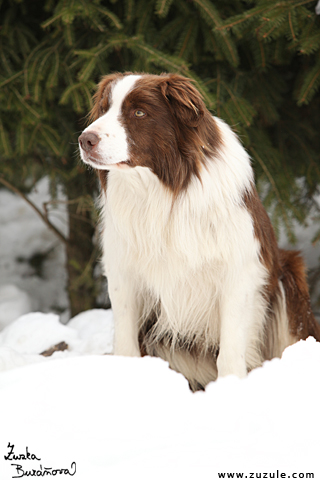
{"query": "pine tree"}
pixel 256 63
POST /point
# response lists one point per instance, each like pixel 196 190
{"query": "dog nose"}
pixel 88 140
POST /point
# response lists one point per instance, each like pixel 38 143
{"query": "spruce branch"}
pixel 187 39
pixel 10 79
pixel 294 38
pixel 51 20
pixel 129 10
pixel 26 66
pixel 241 18
pixel 211 15
pixel 156 56
pixel 263 57
pixel 5 143
pixel 238 19
pixel 170 31
pixel 26 105
pixel 310 41
pixel 311 85
pixel 45 130
pixel 53 75
pixel 240 105
pixel 275 189
pixel 162 7
pixel 144 17
pixel 107 13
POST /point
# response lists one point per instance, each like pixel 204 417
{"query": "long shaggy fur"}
pixel 194 272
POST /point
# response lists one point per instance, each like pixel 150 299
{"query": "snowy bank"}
pixel 23 340
pixel 108 417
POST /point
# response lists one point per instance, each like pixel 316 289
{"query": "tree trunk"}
pixel 80 250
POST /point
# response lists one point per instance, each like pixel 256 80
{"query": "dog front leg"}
pixel 126 311
pixel 237 315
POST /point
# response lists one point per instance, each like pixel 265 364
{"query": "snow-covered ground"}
pixel 103 417
pixel 121 418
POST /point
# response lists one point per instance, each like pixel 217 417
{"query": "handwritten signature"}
pixel 21 471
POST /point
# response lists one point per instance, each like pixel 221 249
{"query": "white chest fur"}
pixel 197 257
pixel 182 254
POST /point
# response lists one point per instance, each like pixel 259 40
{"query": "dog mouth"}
pixel 125 162
pixel 100 165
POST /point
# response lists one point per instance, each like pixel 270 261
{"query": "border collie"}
pixel 194 272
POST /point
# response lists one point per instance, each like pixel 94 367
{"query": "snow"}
pixel 120 418
pixel 132 418
pixel 14 302
pixel 34 333
pixel 23 340
pixel 95 331
pixel 23 234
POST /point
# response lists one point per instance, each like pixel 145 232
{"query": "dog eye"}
pixel 139 113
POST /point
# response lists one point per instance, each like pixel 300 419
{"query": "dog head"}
pixel 156 122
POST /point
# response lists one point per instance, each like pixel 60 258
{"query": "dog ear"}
pixel 184 99
pixel 100 98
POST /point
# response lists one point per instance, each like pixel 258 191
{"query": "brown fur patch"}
pixel 285 266
pixel 264 233
pixel 293 276
pixel 176 134
pixel 103 177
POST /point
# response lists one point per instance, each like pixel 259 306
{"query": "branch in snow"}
pixel 35 208
pixel 60 347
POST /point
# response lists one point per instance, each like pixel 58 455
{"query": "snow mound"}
pixel 89 332
pixel 116 418
pixel 95 330
pixel 35 332
pixel 14 302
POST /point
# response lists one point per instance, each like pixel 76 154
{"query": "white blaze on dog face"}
pixel 112 142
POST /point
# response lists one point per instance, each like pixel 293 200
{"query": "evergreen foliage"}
pixel 256 62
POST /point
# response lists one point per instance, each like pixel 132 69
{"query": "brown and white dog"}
pixel 194 271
